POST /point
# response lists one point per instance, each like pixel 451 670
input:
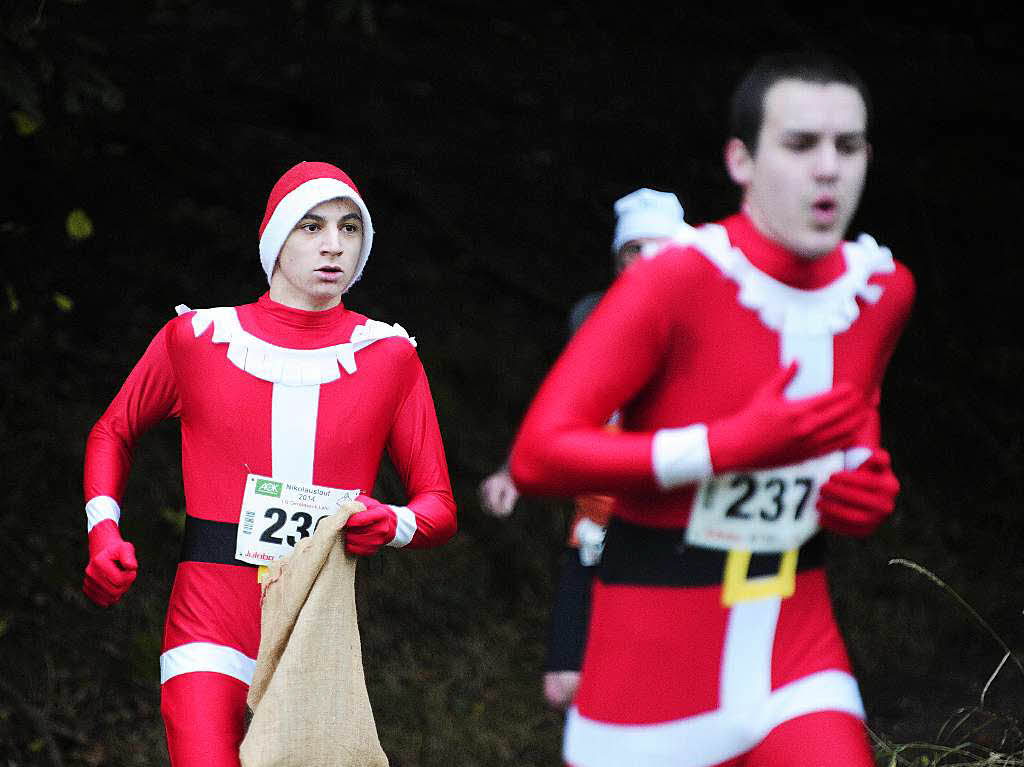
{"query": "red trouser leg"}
pixel 821 739
pixel 204 715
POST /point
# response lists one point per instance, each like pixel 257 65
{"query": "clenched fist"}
pixel 112 565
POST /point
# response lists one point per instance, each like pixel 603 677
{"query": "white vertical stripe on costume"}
pixel 746 671
pixel 813 352
pixel 747 652
pixel 293 431
pixel 293 436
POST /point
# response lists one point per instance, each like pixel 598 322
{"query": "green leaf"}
pixel 64 302
pixel 79 225
pixel 12 298
pixel 24 123
pixel 174 517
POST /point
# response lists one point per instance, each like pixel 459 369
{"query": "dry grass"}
pixel 972 736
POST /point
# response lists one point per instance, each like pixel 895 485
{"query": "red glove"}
pixel 366 531
pixel 856 501
pixel 112 565
pixel 772 430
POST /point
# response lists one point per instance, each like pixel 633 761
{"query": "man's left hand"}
pixel 366 531
pixel 856 501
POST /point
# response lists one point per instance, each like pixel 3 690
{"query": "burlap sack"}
pixel 308 696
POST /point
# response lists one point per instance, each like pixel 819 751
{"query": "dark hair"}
pixel 746 108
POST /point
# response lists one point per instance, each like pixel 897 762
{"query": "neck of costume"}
pixel 302 396
pixel 725 645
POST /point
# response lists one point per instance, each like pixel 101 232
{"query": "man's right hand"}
pixel 498 494
pixel 560 688
pixel 772 430
pixel 112 565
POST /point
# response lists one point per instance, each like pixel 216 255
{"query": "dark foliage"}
pixel 137 145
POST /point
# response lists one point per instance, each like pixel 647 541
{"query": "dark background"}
pixel 489 144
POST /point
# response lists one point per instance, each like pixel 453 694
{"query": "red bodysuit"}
pixel 697 654
pixel 312 397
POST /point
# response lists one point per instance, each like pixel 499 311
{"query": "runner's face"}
pixel 803 185
pixel 631 250
pixel 317 262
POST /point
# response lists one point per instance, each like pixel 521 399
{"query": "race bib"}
pixel 763 511
pixel 276 515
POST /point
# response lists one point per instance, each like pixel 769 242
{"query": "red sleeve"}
pixel 898 301
pixel 418 455
pixel 148 396
pixel 562 447
pixel 899 294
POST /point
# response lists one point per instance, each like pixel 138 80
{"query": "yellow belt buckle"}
pixel 737 587
pixel 261 573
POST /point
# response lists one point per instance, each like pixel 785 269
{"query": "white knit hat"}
pixel 302 187
pixel 646 213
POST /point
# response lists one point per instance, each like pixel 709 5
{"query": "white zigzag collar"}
pixel 832 308
pixel 291 367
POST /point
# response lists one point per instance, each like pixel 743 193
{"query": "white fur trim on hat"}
pixel 646 213
pixel 294 205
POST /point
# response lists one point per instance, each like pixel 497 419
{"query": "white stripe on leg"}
pixel 206 656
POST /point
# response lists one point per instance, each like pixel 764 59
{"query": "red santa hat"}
pixel 302 187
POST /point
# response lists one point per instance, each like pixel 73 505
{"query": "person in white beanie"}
pixel 292 390
pixel 645 218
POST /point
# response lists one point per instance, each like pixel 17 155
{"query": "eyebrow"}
pixel 801 132
pixel 321 220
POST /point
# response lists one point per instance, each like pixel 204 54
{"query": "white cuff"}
pixel 100 508
pixel 405 528
pixel 853 457
pixel 681 456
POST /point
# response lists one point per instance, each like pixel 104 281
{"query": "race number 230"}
pixel 279 531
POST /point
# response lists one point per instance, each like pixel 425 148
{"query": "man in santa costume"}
pixel 295 388
pixel 746 360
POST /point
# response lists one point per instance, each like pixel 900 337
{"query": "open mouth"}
pixel 825 210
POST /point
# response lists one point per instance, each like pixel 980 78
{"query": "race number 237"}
pixel 302 521
pixel 768 498
pixel 763 511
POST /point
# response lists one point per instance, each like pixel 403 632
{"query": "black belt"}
pixel 646 556
pixel 209 541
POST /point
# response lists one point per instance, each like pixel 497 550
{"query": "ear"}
pixel 739 162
